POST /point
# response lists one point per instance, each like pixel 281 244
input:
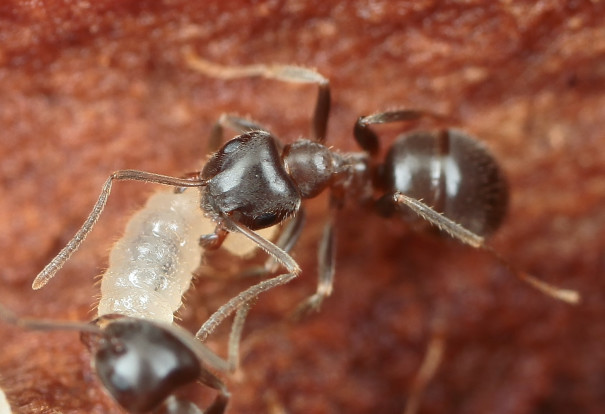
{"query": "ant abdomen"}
pixel 449 171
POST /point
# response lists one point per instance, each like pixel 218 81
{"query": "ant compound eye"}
pixel 146 367
pixel 231 146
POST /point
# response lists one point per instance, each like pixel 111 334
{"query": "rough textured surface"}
pixel 90 87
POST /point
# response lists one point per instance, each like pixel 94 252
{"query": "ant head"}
pixel 248 181
pixel 141 363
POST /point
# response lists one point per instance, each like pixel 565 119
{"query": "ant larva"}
pixel 152 265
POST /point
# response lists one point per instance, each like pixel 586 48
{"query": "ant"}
pixel 253 181
pixel 141 362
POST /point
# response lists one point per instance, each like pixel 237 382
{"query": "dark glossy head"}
pixel 248 181
pixel 453 173
pixel 141 363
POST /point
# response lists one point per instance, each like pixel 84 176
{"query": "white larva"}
pixel 152 265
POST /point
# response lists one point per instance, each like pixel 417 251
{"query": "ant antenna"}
pixel 46 325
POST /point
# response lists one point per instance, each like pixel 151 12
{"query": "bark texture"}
pixel 87 88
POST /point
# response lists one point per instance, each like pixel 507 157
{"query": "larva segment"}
pixel 151 266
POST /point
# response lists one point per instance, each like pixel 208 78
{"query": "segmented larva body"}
pixel 151 266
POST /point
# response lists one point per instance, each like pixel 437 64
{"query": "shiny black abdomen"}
pixel 453 173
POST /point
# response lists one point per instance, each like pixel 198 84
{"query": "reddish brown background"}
pixel 90 87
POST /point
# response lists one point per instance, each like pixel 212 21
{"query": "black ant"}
pixel 254 182
pixel 141 363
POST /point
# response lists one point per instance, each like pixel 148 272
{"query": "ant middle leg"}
pixel 123 175
pixel 286 73
pixel 325 275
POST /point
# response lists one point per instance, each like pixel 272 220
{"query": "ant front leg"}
pixel 124 175
pixel 245 297
pixel 368 140
pixel 286 241
pixel 286 73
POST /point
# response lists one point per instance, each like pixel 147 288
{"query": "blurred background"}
pixel 87 88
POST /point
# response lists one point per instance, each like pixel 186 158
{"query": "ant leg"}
pixel 286 73
pixel 432 359
pixel 219 404
pixel 326 269
pixel 368 140
pixel 286 241
pixel 468 237
pixel 241 125
pixel 252 292
pixel 206 357
pixel 235 337
pixel 214 240
pixel 124 175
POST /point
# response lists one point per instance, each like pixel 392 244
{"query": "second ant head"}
pixel 141 363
